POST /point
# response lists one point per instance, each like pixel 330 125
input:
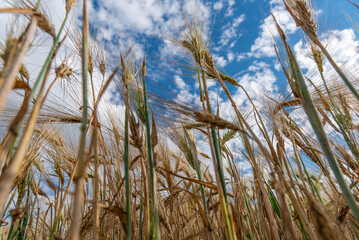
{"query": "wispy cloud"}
pixel 263 44
pixel 230 32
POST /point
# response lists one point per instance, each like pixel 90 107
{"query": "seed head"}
pixel 302 16
pixel 317 57
pixel 24 73
pixel 63 71
pixel 228 79
pixel 143 68
pixel 103 67
pixel 125 73
pixel 44 24
pixel 91 65
pixel 208 58
pixel 69 5
pixel 10 48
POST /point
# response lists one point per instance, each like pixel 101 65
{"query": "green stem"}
pixel 81 168
pixel 314 119
pixel 219 166
pixel 127 177
pixel 151 162
pixel 311 184
pixel 198 170
pixel 25 220
pixel 140 223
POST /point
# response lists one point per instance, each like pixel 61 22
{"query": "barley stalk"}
pixel 80 171
pixel 154 206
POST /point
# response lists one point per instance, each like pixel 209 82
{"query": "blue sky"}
pixel 242 45
pixel 241 34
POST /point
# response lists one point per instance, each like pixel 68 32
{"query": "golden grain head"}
pixel 186 44
pixel 91 65
pixel 69 5
pixel 44 24
pixel 303 16
pixel 317 57
pixel 34 188
pixel 306 15
pixel 102 67
pixel 143 67
pixel 63 71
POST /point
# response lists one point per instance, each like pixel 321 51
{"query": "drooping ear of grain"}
pixel 69 5
pixel 45 25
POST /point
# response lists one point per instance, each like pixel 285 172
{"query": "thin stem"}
pixel 79 178
pixel 127 173
pixel 151 162
pixel 317 125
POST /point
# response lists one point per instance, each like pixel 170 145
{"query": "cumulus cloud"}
pixel 179 82
pixel 218 5
pixel 147 17
pixel 341 44
pixel 263 44
pixel 220 60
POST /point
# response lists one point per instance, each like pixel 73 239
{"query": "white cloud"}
pixel 241 56
pixel 263 45
pixel 230 33
pixel 218 5
pixel 219 60
pixel 341 45
pixel 179 82
pixel 230 56
pixel 227 40
pixel 258 79
pixel 149 17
